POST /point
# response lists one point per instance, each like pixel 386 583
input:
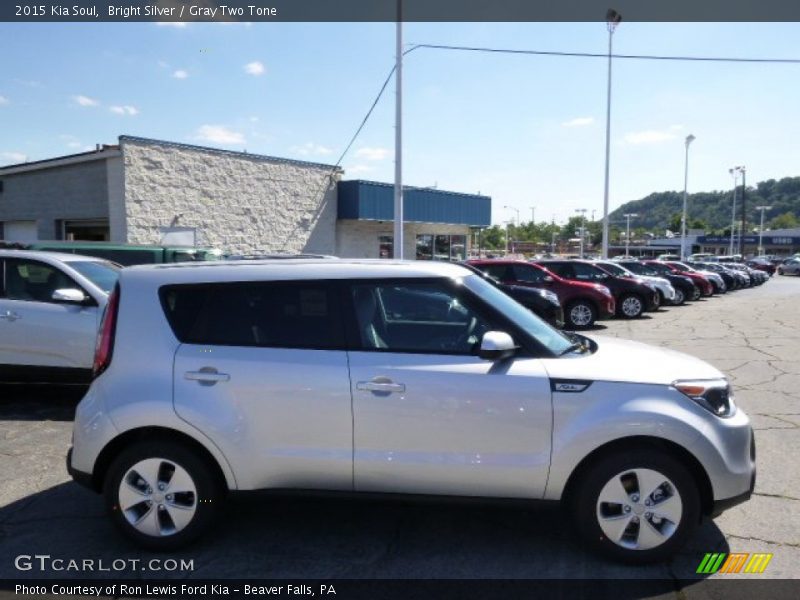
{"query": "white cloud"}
pixel 254 119
pixel 255 68
pixel 124 110
pixel 176 24
pixel 579 122
pixel 85 101
pixel 219 134
pixel 649 136
pixel 676 127
pixel 4 100
pixel 13 157
pixel 356 169
pixel 372 153
pixel 180 74
pixel 311 149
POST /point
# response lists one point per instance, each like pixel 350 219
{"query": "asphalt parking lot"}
pixel 752 335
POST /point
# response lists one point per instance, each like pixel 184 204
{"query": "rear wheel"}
pixel 638 507
pixel 161 495
pixel 580 314
pixel 631 306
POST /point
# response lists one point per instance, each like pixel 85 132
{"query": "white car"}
pixel 666 292
pixel 50 310
pixel 393 377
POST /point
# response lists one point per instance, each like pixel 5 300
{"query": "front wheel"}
pixel 580 315
pixel 161 495
pixel 638 507
pixel 696 293
pixel 679 298
pixel 631 306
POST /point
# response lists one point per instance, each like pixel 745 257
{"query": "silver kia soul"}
pixel 395 377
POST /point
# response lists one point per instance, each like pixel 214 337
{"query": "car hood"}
pixel 631 362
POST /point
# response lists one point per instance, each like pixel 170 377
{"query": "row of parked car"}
pixel 573 294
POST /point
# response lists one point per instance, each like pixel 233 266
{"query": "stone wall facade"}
pixel 359 239
pixel 236 202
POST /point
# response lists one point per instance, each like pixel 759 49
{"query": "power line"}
pixel 728 59
pixel 605 55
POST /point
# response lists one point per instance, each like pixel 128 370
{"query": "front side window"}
pixel 584 272
pixel 529 274
pixel 104 275
pixel 263 314
pixel 34 281
pixel 419 317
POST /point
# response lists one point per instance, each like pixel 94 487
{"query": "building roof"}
pixel 100 153
pixel 258 157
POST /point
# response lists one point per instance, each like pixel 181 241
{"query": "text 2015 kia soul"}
pixel 395 377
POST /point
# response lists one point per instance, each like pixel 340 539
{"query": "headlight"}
pixel 550 297
pixel 712 394
pixel 602 289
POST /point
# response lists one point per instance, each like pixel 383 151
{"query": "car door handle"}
pixel 206 375
pixel 380 386
pixel 10 316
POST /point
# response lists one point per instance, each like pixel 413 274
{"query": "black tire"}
pixel 580 314
pixel 587 509
pixel 696 293
pixel 680 297
pixel 205 500
pixel 630 306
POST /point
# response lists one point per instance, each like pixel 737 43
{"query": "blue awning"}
pixel 373 201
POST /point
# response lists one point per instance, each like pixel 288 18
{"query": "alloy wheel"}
pixel 580 315
pixel 632 306
pixel 157 497
pixel 639 509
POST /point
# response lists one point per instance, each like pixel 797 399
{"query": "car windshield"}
pixel 615 269
pixel 639 269
pixel 103 274
pixel 552 339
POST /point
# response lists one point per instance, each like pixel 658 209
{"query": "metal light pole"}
pixel 398 139
pixel 515 210
pixel 628 218
pixel 613 19
pixel 533 215
pixel 735 174
pixel 744 212
pixel 689 139
pixel 761 229
pixel 582 211
pixel 508 238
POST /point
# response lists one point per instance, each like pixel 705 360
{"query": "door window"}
pixel 418 317
pixel 584 272
pixel 34 281
pixel 529 274
pixel 264 314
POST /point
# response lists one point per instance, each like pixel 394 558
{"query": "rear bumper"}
pixel 84 479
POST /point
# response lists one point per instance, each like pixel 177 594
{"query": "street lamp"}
pixel 533 215
pixel 628 218
pixel 735 174
pixel 613 19
pixel 761 229
pixel 689 139
pixel 514 209
pixel 582 211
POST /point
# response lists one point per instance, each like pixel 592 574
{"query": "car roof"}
pixel 291 269
pixel 44 254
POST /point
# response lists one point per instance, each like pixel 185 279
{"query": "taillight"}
pixel 105 337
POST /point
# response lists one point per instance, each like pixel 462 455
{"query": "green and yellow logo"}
pixel 735 562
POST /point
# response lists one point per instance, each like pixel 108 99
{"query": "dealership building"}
pixel 148 191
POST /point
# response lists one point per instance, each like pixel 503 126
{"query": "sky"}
pixel 529 131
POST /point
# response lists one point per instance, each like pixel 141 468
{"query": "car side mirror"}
pixel 496 345
pixel 69 296
pixel 548 279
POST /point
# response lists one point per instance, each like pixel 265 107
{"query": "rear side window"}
pixel 529 274
pixel 262 314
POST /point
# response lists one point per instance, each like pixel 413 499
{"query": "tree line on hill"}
pixel 660 212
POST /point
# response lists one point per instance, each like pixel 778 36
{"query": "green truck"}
pixel 128 254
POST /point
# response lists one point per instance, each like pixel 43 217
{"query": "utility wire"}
pixel 552 53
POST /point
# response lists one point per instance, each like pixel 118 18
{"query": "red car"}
pixel 583 303
pixel 703 285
